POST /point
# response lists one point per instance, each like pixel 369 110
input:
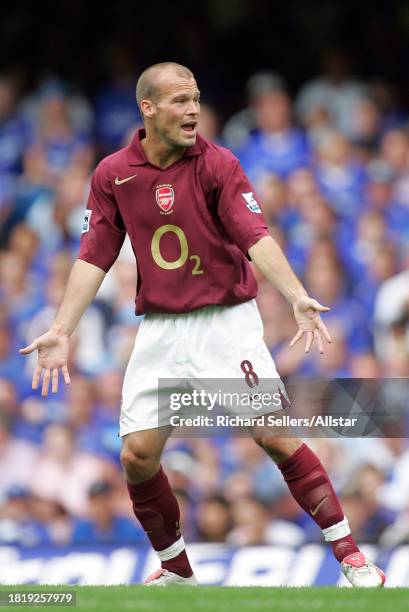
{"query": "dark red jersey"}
pixel 190 226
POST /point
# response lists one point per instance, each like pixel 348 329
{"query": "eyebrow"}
pixel 185 95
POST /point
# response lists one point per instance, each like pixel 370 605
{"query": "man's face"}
pixel 174 113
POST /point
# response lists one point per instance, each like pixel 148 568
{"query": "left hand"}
pixel 306 312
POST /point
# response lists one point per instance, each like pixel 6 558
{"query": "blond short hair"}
pixel 146 87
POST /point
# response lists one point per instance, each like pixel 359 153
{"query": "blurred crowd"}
pixel 330 166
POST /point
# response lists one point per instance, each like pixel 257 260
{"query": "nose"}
pixel 193 108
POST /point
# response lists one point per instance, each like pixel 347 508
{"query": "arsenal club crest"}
pixel 165 196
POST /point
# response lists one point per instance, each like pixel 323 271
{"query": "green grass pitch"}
pixel 222 599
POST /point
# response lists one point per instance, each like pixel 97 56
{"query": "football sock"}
pixel 157 509
pixel 312 489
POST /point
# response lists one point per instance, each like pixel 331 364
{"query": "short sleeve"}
pixel 238 206
pixel 103 230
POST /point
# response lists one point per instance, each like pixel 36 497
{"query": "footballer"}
pixel 193 220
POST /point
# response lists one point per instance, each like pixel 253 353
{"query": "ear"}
pixel 147 108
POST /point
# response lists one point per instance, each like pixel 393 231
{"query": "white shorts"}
pixel 214 342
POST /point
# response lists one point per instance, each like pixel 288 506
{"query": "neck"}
pixel 158 153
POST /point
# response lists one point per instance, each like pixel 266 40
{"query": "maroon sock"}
pixel 311 487
pixel 157 509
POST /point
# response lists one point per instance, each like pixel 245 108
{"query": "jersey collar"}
pixel 137 157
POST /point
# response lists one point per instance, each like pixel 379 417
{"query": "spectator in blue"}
pixel 273 194
pixel 362 491
pixel 80 412
pixel 379 196
pixel 10 364
pixel 317 223
pixel 341 179
pixel 14 130
pixel 17 525
pixel 104 524
pixel 14 138
pixel 61 142
pixel 325 278
pixel 381 266
pixel 108 391
pixel 358 254
pixel 17 289
pixel 57 219
pixel 394 150
pixel 31 186
pixel 24 242
pixel 276 145
pixel 238 128
pixel 366 126
pixel 91 408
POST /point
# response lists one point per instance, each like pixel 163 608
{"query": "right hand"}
pixel 52 355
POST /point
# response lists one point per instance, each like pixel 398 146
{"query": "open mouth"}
pixel 189 127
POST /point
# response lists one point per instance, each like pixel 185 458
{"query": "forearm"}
pixel 273 264
pixel 82 286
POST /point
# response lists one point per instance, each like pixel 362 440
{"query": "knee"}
pixel 279 449
pixel 138 464
pixel 271 445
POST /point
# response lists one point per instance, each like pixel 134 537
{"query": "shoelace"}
pixel 365 570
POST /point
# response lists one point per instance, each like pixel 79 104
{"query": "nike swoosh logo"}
pixel 314 512
pixel 119 181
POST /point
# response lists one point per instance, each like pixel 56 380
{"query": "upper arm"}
pixel 238 206
pixel 103 230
